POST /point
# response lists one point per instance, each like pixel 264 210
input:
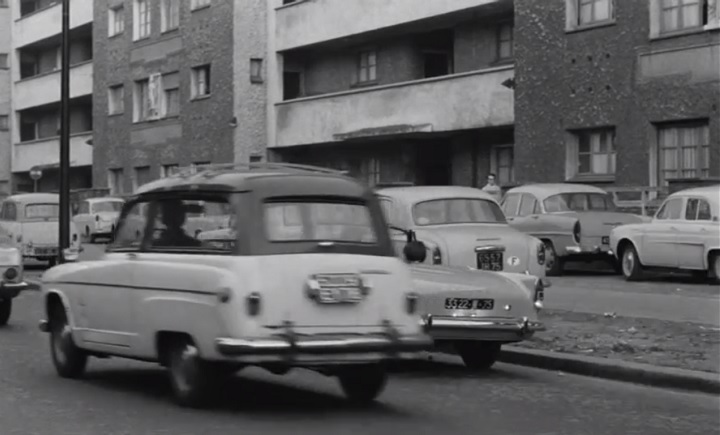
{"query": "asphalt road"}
pixel 121 397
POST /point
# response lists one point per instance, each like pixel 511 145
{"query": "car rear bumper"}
pixel 291 347
pixel 481 328
pixel 11 290
pixel 589 251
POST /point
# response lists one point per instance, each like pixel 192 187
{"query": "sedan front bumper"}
pixel 11 290
pixel 481 328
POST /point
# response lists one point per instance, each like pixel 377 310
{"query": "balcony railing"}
pixel 47 152
pixel 471 100
pixel 46 22
pixel 309 22
pixel 45 88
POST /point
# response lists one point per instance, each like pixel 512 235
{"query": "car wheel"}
pixel 5 310
pixel 189 375
pixel 553 264
pixel 631 267
pixel 362 385
pixel 715 267
pixel 69 360
pixel 478 355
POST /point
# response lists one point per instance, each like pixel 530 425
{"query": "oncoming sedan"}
pixel 461 226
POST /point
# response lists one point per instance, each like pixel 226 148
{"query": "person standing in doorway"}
pixel 492 188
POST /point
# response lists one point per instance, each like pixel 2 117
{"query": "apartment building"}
pixel 618 92
pixel 177 83
pixel 34 121
pixel 5 88
pixel 394 91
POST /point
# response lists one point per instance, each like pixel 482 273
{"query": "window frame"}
pixel 4 61
pixel 364 66
pixel 141 100
pixel 142 20
pixel 116 179
pixel 536 205
pixel 169 15
pixel 196 5
pixel 116 103
pixel 116 20
pixel 496 167
pixel 664 206
pixel 574 153
pixel 499 42
pixel 663 8
pixel 195 82
pixel 4 122
pixel 702 151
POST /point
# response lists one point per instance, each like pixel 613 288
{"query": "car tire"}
pixel 69 360
pixel 554 265
pixel 478 356
pixel 190 376
pixel 5 310
pixel 632 269
pixel 714 267
pixel 362 385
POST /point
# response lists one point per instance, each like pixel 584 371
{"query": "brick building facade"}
pixel 617 92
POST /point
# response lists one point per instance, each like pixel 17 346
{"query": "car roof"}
pixel 707 191
pixel 543 190
pixel 426 193
pixel 283 178
pixel 34 197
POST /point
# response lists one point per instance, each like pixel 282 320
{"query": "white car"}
pixel 309 280
pixel 95 217
pixel 683 235
pixel 11 277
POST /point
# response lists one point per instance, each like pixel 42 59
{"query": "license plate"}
pixel 339 289
pixel 606 240
pixel 45 251
pixel 492 260
pixel 469 304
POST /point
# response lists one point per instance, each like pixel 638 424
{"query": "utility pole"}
pixel 64 228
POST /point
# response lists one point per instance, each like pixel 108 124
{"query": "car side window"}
pixel 178 224
pixel 84 208
pixel 388 210
pixel 704 212
pixel 510 204
pixel 691 209
pixel 671 210
pixel 131 228
pixel 528 205
pixel 8 212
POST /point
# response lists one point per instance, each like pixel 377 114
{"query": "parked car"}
pixel 468 312
pixel 95 217
pixel 11 277
pixel 683 235
pixel 573 221
pixel 461 226
pixel 310 280
pixel 31 220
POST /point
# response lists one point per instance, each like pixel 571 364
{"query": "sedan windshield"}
pixel 580 201
pixel 42 211
pixel 108 206
pixel 457 211
pixel 318 221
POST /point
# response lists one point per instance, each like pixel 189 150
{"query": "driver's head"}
pixel 173 214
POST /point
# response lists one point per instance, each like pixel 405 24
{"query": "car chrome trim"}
pixel 490 248
pixel 502 324
pixel 133 287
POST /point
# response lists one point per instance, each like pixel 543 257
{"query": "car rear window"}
pixel 107 206
pixel 42 211
pixel 304 221
pixel 457 211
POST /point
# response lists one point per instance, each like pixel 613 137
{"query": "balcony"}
pixel 471 100
pixel 47 152
pixel 305 22
pixel 45 88
pixel 46 22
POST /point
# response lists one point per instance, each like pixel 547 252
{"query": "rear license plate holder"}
pixel 45 251
pixel 469 304
pixel 335 289
pixel 490 260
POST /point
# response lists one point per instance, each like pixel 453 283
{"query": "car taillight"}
pixel 539 296
pixel 411 302
pixel 576 232
pixel 253 304
pixel 437 256
pixel 97 218
pixel 11 273
pixel 75 237
pixel 541 254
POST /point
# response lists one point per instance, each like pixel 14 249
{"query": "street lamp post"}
pixel 64 229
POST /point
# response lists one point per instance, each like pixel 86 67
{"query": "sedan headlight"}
pixel 437 256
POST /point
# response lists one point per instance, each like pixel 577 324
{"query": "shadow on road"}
pixel 240 394
pixel 425 369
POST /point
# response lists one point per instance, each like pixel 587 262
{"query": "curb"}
pixel 637 373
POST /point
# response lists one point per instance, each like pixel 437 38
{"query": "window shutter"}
pixel 156 96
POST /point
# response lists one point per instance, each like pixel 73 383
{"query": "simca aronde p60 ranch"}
pixel 683 235
pixel 310 279
pixel 461 226
pixel 31 221
pixel 11 277
pixel 573 220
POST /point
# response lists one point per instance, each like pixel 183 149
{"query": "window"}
pixel 116 20
pixel 367 66
pixel 510 204
pixel 197 4
pixel 131 228
pixel 502 164
pixel 141 101
pixel 292 85
pixel 582 13
pixel 42 211
pixel 256 70
pixel 4 61
pixel 171 87
pixel 388 211
pixel 116 181
pixel 457 211
pixel 173 231
pixel 200 81
pixel 672 209
pixel 698 210
pixel 170 15
pixel 141 176
pixel 8 212
pixel 319 221
pixel 683 151
pixel 169 170
pixel 681 14
pixel 141 23
pixel 505 41
pixel 107 206
pixel 528 206
pixel 4 123
pixel 579 201
pixel 591 153
pixel 116 100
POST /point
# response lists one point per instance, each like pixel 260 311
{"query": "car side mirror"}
pixel 414 251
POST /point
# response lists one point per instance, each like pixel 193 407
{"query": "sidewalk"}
pixel 605 294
